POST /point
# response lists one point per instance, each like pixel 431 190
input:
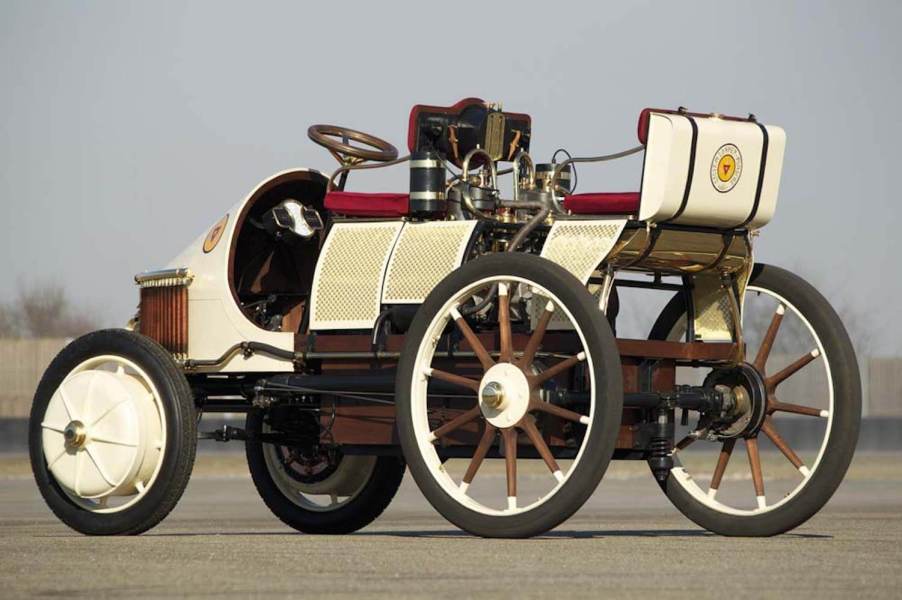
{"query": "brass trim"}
pixel 677 251
pixel 495 124
pixel 165 277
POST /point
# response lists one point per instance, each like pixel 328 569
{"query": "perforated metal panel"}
pixel 713 311
pixel 347 285
pixel 424 255
pixel 580 246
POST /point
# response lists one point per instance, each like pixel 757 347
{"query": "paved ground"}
pixel 626 542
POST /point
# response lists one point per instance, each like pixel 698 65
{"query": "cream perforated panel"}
pixel 580 246
pixel 424 255
pixel 347 285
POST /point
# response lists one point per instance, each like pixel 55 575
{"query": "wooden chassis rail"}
pixel 648 366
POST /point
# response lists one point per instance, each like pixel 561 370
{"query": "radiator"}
pixel 163 309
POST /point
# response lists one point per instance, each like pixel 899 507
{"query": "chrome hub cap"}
pixel 504 395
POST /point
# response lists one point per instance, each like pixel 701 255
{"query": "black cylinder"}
pixel 427 183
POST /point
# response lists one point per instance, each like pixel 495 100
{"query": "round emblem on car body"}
pixel 215 234
pixel 726 168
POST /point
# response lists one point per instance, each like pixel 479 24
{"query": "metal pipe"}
pixel 523 155
pixel 528 228
pixel 466 199
pixel 586 159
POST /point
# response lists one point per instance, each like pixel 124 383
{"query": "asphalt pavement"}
pixel 626 542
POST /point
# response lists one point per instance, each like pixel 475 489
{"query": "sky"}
pixel 129 128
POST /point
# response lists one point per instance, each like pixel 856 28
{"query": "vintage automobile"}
pixel 470 336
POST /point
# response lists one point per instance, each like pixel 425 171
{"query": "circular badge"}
pixel 726 168
pixel 215 234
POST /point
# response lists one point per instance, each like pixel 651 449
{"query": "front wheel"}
pixel 803 364
pixel 508 358
pixel 112 433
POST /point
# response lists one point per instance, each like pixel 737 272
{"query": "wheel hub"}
pixel 493 395
pixel 98 431
pixel 75 434
pixel 749 390
pixel 504 395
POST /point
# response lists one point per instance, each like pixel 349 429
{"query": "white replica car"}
pixel 448 326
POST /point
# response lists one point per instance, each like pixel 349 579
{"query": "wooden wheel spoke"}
pixel 725 452
pixel 485 442
pixel 798 409
pixel 558 411
pixel 478 349
pixel 781 376
pixel 510 462
pixel 535 437
pixel 456 423
pixel 768 342
pixel 751 446
pixel 455 379
pixel 556 369
pixel 535 340
pixel 770 431
pixel 504 323
pixel 684 443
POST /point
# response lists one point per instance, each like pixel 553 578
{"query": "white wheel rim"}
pixel 118 450
pixel 419 405
pixel 706 497
pixel 336 490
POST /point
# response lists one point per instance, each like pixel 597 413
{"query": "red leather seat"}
pixel 609 203
pixel 362 204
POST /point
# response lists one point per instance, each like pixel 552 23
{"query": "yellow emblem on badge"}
pixel 726 168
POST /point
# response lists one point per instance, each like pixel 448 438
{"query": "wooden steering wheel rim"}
pixel 325 135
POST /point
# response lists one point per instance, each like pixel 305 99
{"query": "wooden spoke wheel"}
pixel 509 359
pixel 800 424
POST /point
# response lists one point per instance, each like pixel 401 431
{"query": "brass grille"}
pixel 163 309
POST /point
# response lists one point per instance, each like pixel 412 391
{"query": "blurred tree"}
pixel 44 310
pixel 9 324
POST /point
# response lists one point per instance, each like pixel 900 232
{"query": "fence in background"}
pixel 22 362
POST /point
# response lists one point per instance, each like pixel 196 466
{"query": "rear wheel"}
pixel 317 489
pixel 112 433
pixel 552 391
pixel 802 378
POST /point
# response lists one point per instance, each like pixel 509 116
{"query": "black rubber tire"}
pixel 608 407
pixel 181 433
pixel 843 435
pixel 350 516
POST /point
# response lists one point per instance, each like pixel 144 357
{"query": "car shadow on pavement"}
pixel 582 534
pixel 453 533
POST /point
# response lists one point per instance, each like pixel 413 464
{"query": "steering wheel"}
pixel 337 140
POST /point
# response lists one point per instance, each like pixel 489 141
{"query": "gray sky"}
pixel 128 128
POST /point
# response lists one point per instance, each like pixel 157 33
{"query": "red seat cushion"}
pixel 621 203
pixel 361 204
